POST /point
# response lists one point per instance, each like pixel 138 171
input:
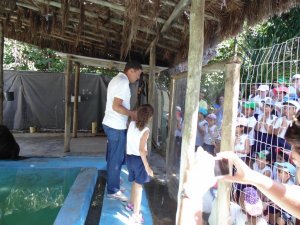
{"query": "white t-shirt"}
pixel 210 134
pixel 118 87
pixel 199 136
pixel 251 124
pixel 269 121
pixel 262 171
pixel 240 145
pixel 133 139
pixel 278 124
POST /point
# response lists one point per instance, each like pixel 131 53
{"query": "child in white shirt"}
pixel 136 160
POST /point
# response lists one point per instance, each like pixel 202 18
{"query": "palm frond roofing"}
pixel 123 29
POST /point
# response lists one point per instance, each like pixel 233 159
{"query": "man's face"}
pixel 133 75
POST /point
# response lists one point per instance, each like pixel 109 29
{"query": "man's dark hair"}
pixel 9 148
pixel 133 65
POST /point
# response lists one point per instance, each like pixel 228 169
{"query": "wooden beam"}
pixel 1 70
pixel 151 91
pixel 119 65
pixel 179 8
pixel 174 15
pixel 67 135
pixel 186 215
pixel 76 93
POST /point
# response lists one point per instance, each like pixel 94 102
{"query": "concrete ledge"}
pixel 62 162
pixel 77 204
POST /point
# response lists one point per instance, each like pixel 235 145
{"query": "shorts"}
pixel 136 169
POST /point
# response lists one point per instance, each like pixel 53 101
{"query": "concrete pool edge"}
pixel 76 206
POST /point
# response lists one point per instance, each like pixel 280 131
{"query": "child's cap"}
pixel 242 121
pixel 263 154
pixel 263 87
pixel 293 103
pixel 296 76
pixel 203 111
pixel 269 102
pixel 287 167
pixel 212 116
pixel 281 80
pixel 253 203
pixel 281 89
pixel 178 108
pixel 249 105
pixel 291 96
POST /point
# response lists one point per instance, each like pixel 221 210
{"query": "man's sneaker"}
pixel 136 219
pixel 118 195
pixel 129 207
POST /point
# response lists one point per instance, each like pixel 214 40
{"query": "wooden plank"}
pixel 67 135
pixel 231 96
pixel 195 55
pixel 151 91
pixel 1 70
pixel 76 93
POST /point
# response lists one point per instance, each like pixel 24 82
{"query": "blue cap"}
pixel 203 111
pixel 288 167
pixel 291 96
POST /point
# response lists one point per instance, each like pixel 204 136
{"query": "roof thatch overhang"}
pixel 124 29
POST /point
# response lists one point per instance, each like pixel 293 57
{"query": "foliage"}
pixel 21 56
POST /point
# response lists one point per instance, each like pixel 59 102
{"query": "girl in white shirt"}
pixel 136 160
pixel 242 142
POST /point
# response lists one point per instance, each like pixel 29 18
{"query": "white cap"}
pixel 296 76
pixel 292 102
pixel 178 108
pixel 263 87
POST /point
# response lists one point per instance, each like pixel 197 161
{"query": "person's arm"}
pixel 283 195
pixel 202 165
pixel 144 153
pixel 118 107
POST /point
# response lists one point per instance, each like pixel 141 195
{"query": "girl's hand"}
pixel 149 171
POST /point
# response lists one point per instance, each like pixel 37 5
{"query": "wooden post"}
pixel 1 70
pixel 76 91
pixel 191 100
pixel 151 89
pixel 231 96
pixel 67 137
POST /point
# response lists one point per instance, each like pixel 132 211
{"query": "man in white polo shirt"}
pixel 114 124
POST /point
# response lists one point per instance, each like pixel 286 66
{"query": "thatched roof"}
pixel 122 29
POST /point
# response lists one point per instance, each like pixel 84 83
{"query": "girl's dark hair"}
pixel 144 113
pixel 292 134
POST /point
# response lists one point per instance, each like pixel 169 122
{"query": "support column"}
pixel 151 89
pixel 1 70
pixel 231 97
pixel 195 56
pixel 67 136
pixel 76 93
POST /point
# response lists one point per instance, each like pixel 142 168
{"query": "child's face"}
pixel 248 112
pixel 261 163
pixel 284 176
pixel 239 129
pixel 211 121
pixel 200 116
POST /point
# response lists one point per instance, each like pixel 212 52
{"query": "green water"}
pixel 33 196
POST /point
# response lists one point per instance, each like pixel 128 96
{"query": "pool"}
pixel 47 190
pixel 29 196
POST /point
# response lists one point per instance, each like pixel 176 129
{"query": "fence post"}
pixel 231 97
